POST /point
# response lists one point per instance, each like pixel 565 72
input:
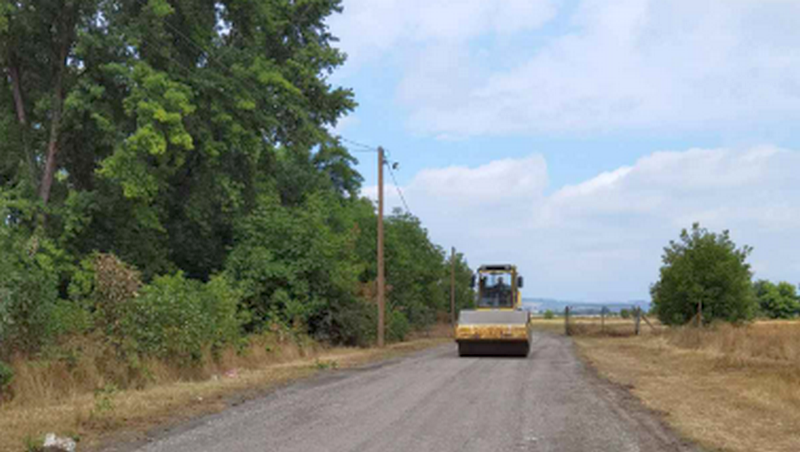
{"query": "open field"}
pixel 728 388
pixel 68 408
pixel 583 326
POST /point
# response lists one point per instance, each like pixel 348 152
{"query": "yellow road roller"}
pixel 498 326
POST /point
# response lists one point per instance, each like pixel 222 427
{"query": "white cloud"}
pixel 369 28
pixel 627 64
pixel 602 239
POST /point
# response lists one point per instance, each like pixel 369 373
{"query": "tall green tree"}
pixel 705 269
pixel 149 126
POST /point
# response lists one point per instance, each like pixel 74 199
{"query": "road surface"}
pixel 435 401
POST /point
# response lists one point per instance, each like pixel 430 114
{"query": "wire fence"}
pixel 603 321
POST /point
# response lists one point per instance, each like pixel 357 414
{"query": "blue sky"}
pixel 600 128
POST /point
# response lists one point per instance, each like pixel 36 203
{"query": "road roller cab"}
pixel 499 325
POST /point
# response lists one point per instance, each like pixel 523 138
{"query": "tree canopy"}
pixel 704 269
pixel 192 140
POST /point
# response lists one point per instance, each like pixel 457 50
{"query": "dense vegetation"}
pixel 706 269
pixel 777 301
pixel 169 182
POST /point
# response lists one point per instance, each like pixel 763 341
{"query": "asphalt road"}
pixel 436 401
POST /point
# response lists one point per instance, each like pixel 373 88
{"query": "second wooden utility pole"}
pixel 453 286
pixel 381 293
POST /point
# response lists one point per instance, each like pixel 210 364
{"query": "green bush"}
pixel 298 263
pixel 352 324
pixel 625 313
pixel 220 301
pixel 548 314
pixel 6 376
pixel 177 318
pixel 776 301
pixel 28 290
pixel 398 326
pixel 70 318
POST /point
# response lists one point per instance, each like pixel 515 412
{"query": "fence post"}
pixel 566 320
pixel 637 319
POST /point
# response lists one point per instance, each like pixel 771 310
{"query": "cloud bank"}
pixel 602 239
pixel 476 68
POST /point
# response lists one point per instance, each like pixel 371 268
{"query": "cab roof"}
pixel 496 268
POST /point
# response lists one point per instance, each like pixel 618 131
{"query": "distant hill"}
pixel 557 306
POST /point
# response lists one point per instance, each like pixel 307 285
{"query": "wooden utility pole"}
pixel 453 286
pixel 381 281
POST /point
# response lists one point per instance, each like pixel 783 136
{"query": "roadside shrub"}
pixel 70 318
pixel 116 284
pixel 220 302
pixel 177 318
pixel 625 313
pixel 548 314
pixel 28 291
pixel 6 376
pixel 351 324
pixel 398 326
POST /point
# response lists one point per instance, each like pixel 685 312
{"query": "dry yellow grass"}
pixel 555 325
pixel 728 388
pixel 55 399
pixel 581 326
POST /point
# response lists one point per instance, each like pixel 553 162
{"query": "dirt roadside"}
pixel 96 420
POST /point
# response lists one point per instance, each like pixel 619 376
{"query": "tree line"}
pixel 169 182
pixel 706 273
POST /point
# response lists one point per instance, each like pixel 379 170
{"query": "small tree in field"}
pixel 704 269
pixel 549 314
pixel 625 313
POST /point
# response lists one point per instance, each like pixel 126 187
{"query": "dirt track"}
pixel 435 401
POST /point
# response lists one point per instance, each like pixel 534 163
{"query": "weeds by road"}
pixel 62 403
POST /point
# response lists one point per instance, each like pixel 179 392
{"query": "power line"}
pixel 397 187
pixel 387 161
pixel 366 147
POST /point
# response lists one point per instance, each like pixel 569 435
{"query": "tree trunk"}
pixel 65 43
pixel 22 117
pixel 52 145
pixel 13 72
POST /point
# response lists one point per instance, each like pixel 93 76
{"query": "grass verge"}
pixel 108 414
pixel 726 388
